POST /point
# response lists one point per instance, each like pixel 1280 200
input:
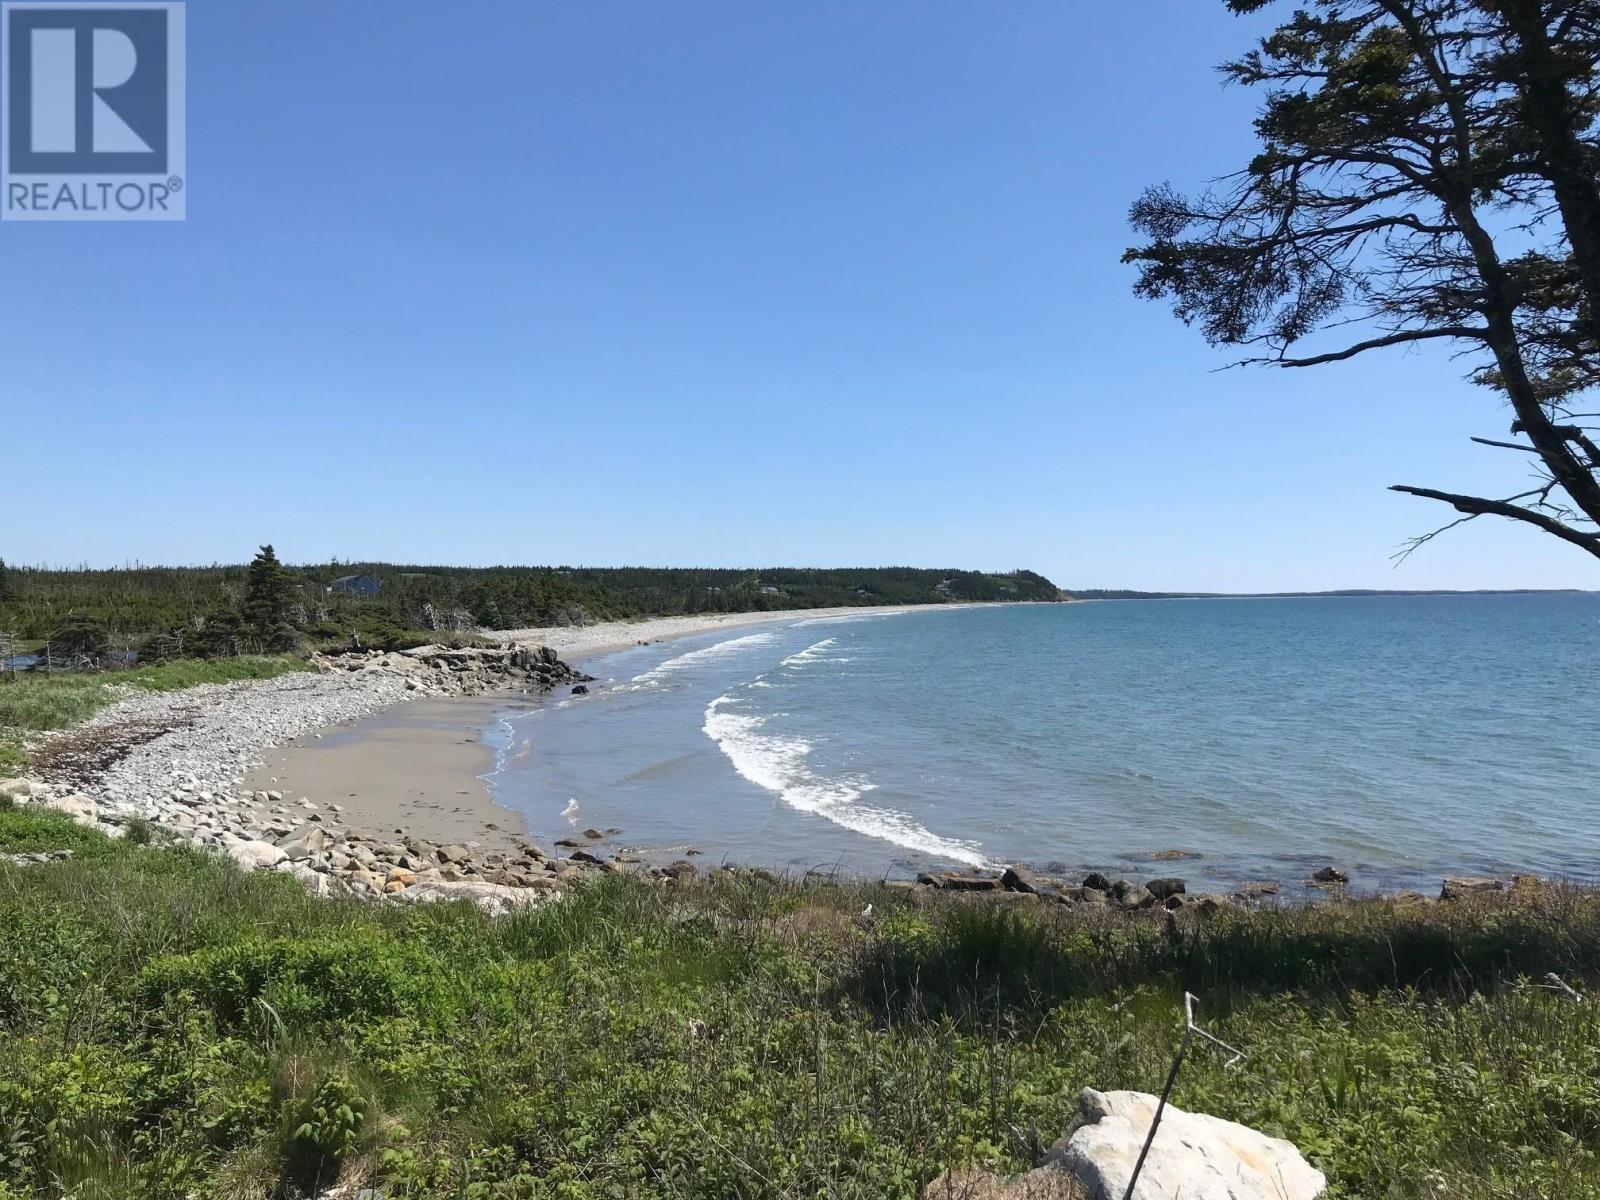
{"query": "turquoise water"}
pixel 1398 737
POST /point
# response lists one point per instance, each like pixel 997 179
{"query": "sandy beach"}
pixel 577 643
pixel 417 767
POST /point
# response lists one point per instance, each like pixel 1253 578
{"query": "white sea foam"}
pixel 847 618
pixel 779 764
pixel 809 654
pixel 657 676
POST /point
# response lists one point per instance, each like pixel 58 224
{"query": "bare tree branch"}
pixel 1393 339
pixel 1479 506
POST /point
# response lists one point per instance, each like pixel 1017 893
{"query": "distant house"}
pixel 771 591
pixel 362 587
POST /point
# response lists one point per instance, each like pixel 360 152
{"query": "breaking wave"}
pixel 656 677
pixel 779 764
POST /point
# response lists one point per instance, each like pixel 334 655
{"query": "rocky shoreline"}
pixel 177 762
pixel 1171 894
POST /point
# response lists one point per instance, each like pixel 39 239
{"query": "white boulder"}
pixel 256 856
pixel 81 809
pixel 493 898
pixel 1194 1156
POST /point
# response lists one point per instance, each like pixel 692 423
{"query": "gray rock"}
pixel 1018 879
pixel 1162 888
pixel 81 809
pixel 493 898
pixel 1194 1156
pixel 302 843
pixel 1461 887
pixel 955 881
pixel 1097 882
pixel 255 856
pixel 1133 896
pixel 453 854
pixel 313 880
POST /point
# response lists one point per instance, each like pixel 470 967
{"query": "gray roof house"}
pixel 363 587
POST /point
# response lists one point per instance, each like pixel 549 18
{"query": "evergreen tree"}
pixel 269 596
pixel 222 635
pixel 6 592
pixel 80 637
pixel 1427 170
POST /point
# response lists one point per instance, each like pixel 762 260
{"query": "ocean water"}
pixel 1398 737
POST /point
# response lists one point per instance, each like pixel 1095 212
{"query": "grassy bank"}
pixel 38 703
pixel 171 1027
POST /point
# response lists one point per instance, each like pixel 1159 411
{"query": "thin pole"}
pixel 1161 1105
pixel 1189 1030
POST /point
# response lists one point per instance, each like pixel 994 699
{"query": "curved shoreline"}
pixel 579 643
pixel 377 751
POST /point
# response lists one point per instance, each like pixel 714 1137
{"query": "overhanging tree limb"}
pixel 1393 339
pixel 1479 506
pixel 1428 169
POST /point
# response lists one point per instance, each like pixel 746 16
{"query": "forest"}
pixel 160 612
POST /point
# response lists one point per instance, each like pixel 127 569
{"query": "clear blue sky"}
pixel 744 283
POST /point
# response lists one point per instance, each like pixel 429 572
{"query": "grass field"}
pixel 33 704
pixel 171 1027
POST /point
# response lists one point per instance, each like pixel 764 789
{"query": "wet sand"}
pixel 414 768
pixel 578 643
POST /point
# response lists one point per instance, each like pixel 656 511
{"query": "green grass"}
pixel 35 703
pixel 170 1027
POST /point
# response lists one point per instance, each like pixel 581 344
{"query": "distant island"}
pixel 1128 594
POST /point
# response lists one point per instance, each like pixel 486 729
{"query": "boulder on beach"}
pixel 496 899
pixel 1459 888
pixel 256 856
pixel 1194 1156
pixel 81 809
pixel 955 881
pixel 1163 888
pixel 1019 879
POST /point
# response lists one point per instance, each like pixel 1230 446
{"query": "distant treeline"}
pixel 376 602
